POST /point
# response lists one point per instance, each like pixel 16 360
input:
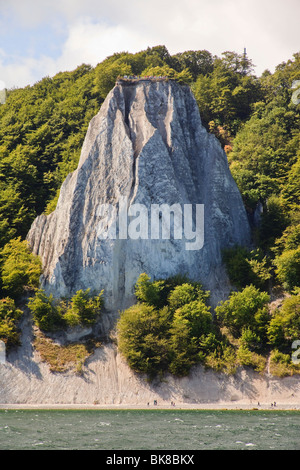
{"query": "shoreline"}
pixel 128 407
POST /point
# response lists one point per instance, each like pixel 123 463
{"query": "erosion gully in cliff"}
pixel 146 147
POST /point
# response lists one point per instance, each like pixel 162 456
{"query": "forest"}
pixel 256 120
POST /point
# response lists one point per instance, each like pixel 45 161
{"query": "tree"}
pixel 184 76
pixel 246 267
pixel 148 291
pixel 46 312
pixel 245 309
pixel 197 62
pixel 143 338
pixel 51 314
pixel 20 268
pixel 9 318
pixel 107 74
pixel 284 326
pixel 84 307
pixel 185 293
pixel 197 316
pixel 288 268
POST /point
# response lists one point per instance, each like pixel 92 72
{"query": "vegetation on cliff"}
pixel 42 128
pixel 171 328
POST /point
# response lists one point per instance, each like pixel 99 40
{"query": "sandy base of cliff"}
pixel 108 383
pixel 180 406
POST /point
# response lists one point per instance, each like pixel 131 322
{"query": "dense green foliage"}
pixel 9 318
pixel 163 330
pixel 51 314
pixel 42 128
pixel 246 311
pixel 20 269
pixel 171 333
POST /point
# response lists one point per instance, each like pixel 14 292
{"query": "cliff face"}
pixel 146 147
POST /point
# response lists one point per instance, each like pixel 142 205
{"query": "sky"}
pixel 40 38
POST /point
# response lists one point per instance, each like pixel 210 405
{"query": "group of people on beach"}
pixel 155 403
pixel 272 404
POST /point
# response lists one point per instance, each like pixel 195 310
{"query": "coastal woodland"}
pixel 171 327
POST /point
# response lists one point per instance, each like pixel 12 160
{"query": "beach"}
pixel 107 382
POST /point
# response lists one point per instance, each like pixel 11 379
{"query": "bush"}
pixel 51 314
pixel 280 364
pixel 84 308
pixel 20 269
pixel 246 357
pixel 245 309
pixel 245 268
pixel 9 318
pixel 149 292
pixel 162 331
pixel 45 311
pixel 288 268
pixel 143 338
pixel 186 293
pixel 190 322
pixel 249 339
pixel 284 326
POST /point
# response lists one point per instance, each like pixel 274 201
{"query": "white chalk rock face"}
pixel 145 151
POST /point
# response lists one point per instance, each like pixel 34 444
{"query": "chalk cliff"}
pixel 146 146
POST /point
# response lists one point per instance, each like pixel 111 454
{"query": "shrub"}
pixel 288 268
pixel 280 364
pixel 246 267
pixel 190 323
pixel 45 311
pixel 161 332
pixel 20 268
pixel 84 308
pixel 186 293
pixel 9 318
pixel 246 357
pixel 51 314
pixel 284 326
pixel 147 291
pixel 245 309
pixel 143 338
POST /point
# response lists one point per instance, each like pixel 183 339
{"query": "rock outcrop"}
pixel 146 147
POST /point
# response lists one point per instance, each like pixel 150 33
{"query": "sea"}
pixel 157 430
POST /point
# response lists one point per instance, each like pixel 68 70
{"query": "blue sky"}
pixel 43 37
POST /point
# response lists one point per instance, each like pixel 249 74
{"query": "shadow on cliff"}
pixel 22 357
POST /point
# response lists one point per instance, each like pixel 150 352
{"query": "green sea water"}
pixel 149 430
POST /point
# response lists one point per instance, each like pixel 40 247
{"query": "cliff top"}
pixel 133 79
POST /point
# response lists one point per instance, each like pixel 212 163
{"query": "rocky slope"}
pixel 146 146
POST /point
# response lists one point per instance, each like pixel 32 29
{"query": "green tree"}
pixel 52 314
pixel 246 267
pixel 182 77
pixel 106 75
pixel 46 312
pixel 197 62
pixel 20 269
pixel 284 325
pixel 143 338
pixel 84 308
pixel 9 318
pixel 288 268
pixel 245 309
pixel 184 294
pixel 148 291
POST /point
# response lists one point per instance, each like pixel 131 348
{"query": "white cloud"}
pixel 91 42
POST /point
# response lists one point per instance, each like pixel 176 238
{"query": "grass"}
pixel 62 358
pixel 281 365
